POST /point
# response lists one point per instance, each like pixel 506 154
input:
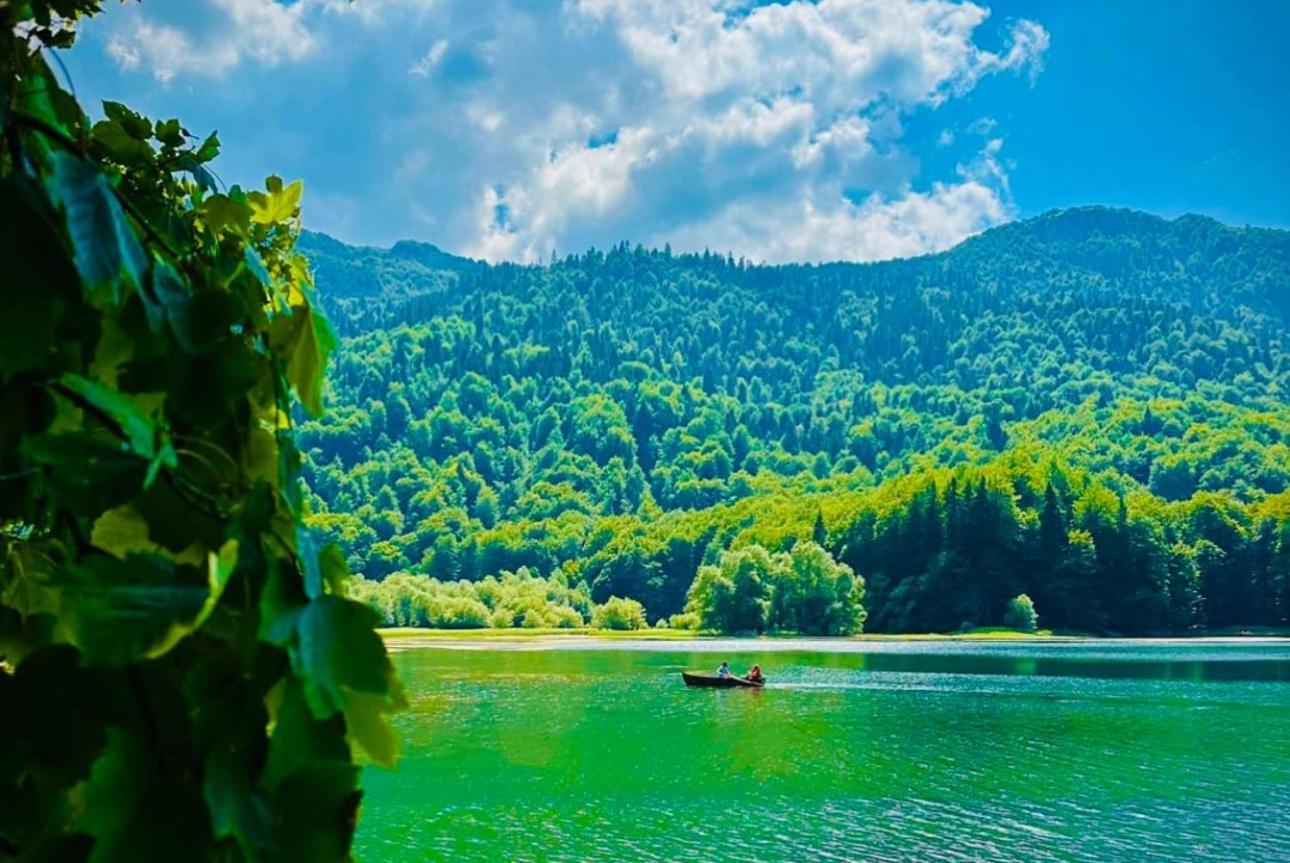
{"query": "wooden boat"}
pixel 718 682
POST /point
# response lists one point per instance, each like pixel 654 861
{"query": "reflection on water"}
pixel 893 751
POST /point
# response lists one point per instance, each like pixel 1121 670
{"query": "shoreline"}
pixel 397 639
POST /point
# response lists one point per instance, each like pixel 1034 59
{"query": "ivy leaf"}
pixel 324 570
pixel 279 205
pixel 119 611
pixel 229 718
pixel 104 244
pixel 305 339
pixel 176 525
pixel 299 738
pixel 122 531
pixel 204 178
pixel 256 265
pixel 312 784
pixel 36 281
pixel 21 635
pixel 139 808
pixel 367 723
pixel 119 145
pixel 310 570
pixel 338 650
pixel 317 810
pixel 333 568
pixel 219 568
pixel 40 96
pixel 144 437
pixel 87 472
pixel 132 123
pixel 170 133
pixel 222 213
pixel 209 148
pixel 172 301
pixel 61 744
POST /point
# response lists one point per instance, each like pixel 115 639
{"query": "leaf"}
pixel 204 178
pixel 305 339
pixel 222 213
pixel 212 387
pixel 219 568
pixel 131 122
pixel 176 525
pixel 105 246
pixel 279 205
pixel 119 145
pixel 88 472
pixel 228 720
pixel 317 811
pixel 140 433
pixel 310 570
pixel 37 283
pixel 173 301
pixel 338 650
pixel 22 634
pixel 140 808
pixel 119 611
pixel 41 97
pixel 122 531
pixel 367 725
pixel 256 265
pixel 59 742
pixel 333 567
pixel 170 133
pixel 299 738
pixel 209 148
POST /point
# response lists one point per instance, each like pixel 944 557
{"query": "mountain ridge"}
pixel 426 252
pixel 622 418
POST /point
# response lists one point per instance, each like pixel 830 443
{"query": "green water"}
pixel 857 752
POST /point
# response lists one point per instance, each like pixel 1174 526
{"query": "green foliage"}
pixel 804 591
pixel 512 600
pixel 619 613
pixel 1021 614
pixel 626 416
pixel 515 599
pixel 181 675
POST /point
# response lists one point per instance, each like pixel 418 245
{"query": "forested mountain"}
pixel 1090 407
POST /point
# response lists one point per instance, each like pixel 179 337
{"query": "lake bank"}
pixel 546 639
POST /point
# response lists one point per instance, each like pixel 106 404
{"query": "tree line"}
pixel 613 416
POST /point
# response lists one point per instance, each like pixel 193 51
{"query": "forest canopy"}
pixel 1088 408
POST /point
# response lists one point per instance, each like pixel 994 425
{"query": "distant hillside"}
pixel 486 417
pixel 349 273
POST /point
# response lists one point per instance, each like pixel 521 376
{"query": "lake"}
pixel 855 751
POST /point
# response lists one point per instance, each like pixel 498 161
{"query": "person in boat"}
pixel 755 675
pixel 723 671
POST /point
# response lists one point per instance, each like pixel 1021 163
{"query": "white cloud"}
pixel 829 227
pixel 807 229
pixel 760 132
pixel 428 61
pixel 126 55
pixel 268 32
pixel 511 127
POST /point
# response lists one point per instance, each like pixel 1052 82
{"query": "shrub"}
pixel 1021 614
pixel 619 613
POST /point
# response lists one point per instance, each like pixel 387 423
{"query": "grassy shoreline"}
pixel 409 634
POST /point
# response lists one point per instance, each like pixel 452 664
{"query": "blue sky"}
pixel 838 129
